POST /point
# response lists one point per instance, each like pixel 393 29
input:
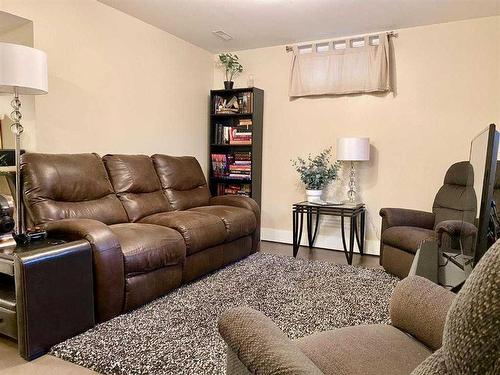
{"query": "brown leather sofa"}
pixel 150 220
pixel 403 230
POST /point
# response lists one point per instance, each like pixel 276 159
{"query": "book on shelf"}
pixel 232 135
pixel 240 168
pixel 221 136
pixel 219 165
pixel 243 156
pixel 246 102
pixel 234 189
pixel 231 166
pixel 239 103
pixel 247 122
pixel 243 162
pixel 239 176
pixel 240 136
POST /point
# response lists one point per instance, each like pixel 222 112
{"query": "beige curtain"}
pixel 342 71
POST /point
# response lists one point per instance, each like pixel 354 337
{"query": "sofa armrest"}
pixel 260 345
pixel 395 217
pixel 107 259
pixel 419 307
pixel 237 201
pixel 243 202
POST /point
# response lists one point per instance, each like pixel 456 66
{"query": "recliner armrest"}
pixel 455 228
pixel 419 307
pixel 107 259
pixel 261 346
pixel 395 217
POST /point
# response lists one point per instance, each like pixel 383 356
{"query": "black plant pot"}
pixel 228 85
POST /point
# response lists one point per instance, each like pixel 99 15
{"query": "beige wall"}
pixel 448 89
pixel 116 84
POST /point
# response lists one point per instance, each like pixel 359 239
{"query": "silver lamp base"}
pixel 17 129
pixel 352 196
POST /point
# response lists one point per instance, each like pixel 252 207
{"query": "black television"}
pixel 483 159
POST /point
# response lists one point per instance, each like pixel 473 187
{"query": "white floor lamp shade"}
pixel 23 71
pixel 353 149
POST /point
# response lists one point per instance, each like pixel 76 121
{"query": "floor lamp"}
pixel 23 71
pixel 353 149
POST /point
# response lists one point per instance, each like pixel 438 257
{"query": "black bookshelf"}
pixel 218 143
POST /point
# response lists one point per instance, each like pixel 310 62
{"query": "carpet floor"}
pixel 177 334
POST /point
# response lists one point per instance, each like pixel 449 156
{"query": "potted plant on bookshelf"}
pixel 232 68
pixel 316 172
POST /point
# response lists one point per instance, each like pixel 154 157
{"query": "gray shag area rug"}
pixel 177 334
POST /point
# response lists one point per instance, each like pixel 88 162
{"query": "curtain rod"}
pixel 390 34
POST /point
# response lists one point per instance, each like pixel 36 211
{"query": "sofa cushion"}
pixel 364 350
pixel 135 182
pixel 63 186
pixel 199 230
pixel 182 180
pixel 407 238
pixel 147 247
pixel 239 222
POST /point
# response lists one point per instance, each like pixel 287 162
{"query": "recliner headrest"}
pixel 460 173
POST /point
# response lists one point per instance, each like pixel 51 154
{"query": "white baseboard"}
pixel 332 241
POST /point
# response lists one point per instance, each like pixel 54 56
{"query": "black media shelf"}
pixel 231 120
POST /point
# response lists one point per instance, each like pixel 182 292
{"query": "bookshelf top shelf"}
pixel 234 91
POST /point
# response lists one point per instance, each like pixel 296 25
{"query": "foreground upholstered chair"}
pixel 404 230
pixel 431 332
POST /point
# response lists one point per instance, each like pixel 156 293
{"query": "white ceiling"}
pixel 9 22
pixel 262 23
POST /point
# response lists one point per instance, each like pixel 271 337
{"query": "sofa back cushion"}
pixel 59 186
pixel 135 182
pixel 182 181
pixel 456 199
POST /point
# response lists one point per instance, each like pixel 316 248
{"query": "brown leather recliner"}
pixel 403 230
pixel 150 220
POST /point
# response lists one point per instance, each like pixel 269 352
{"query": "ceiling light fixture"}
pixel 222 34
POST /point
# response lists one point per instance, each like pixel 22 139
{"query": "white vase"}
pixel 313 196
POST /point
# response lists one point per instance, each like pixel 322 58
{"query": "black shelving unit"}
pixel 232 120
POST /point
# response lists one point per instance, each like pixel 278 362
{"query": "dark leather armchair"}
pixel 403 230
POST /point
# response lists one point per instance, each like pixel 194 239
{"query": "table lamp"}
pixel 353 149
pixel 23 71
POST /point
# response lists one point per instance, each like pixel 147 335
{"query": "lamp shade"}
pixel 23 69
pixel 353 148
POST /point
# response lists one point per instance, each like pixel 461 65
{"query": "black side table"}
pixel 356 213
pixel 46 293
